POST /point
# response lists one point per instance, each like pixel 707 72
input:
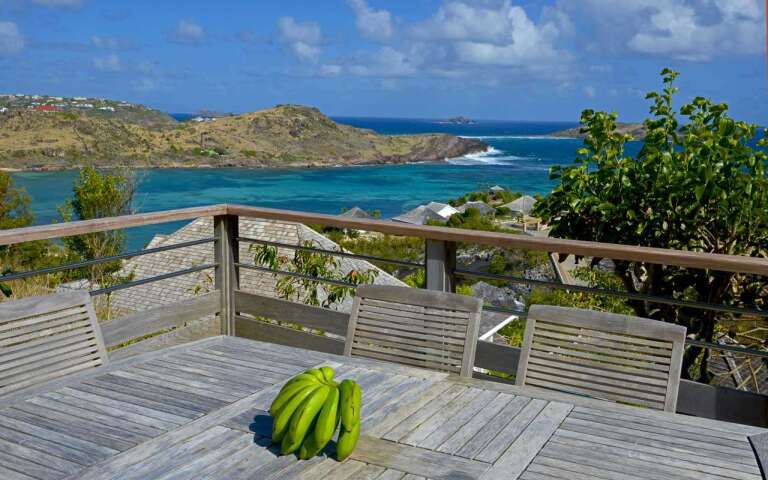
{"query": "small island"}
pixel 47 136
pixel 457 121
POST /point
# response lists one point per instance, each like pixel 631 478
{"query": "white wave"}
pixel 491 156
pixel 517 137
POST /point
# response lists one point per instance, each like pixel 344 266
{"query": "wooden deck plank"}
pixel 192 463
pixel 155 382
pixel 87 414
pixel 368 472
pixel 670 440
pixel 608 457
pixel 474 425
pixel 238 371
pixel 507 435
pixel 50 461
pixel 662 454
pixel 141 399
pixel 118 380
pixel 66 446
pixel 204 374
pixel 577 400
pixel 527 445
pixel 414 460
pixel 419 435
pixel 491 429
pixel 162 419
pixel 192 385
pixel 107 437
pixel 8 474
pixel 390 474
pixel 402 429
pixel 387 405
pixel 457 419
pixel 174 456
pixel 741 443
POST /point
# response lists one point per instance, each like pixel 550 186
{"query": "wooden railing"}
pixel 237 310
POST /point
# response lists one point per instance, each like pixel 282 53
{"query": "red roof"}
pixel 46 108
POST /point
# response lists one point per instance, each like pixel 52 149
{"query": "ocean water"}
pixel 519 159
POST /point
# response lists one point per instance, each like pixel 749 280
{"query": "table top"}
pixel 198 411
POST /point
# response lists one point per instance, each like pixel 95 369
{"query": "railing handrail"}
pixel 681 258
pixel 68 229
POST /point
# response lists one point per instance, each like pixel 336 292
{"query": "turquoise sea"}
pixel 519 159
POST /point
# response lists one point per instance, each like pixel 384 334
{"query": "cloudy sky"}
pixel 494 59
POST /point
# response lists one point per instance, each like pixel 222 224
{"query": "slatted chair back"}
pixel 43 338
pixel 410 326
pixel 621 358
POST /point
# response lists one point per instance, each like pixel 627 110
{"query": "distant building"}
pixel 356 212
pixel 421 214
pixel 482 207
pixel 522 205
pixel 497 189
pixel 46 108
pixel 418 216
pixel 442 209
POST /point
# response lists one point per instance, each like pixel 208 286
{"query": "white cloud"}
pixel 302 38
pixel 11 41
pixel 682 29
pixel 589 91
pixel 495 33
pixel 387 62
pixel 188 31
pixel 109 63
pixel 373 24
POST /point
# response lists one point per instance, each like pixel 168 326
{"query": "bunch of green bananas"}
pixel 308 410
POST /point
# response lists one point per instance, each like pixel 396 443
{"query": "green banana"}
pixel 327 374
pixel 327 419
pixel 357 401
pixel 303 377
pixel 303 418
pixel 347 442
pixel 282 419
pixel 316 373
pixel 310 447
pixel 287 393
pixel 350 411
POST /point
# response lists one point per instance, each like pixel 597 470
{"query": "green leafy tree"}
pixel 15 212
pixel 99 194
pixel 697 184
pixel 311 265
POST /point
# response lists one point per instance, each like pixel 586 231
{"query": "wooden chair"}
pixel 603 355
pixel 43 338
pixel 759 445
pixel 423 328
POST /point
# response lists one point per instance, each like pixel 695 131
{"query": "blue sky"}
pixel 494 59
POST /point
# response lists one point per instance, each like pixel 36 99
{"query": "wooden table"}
pixel 198 411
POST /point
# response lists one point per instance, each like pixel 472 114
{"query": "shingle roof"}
pixel 483 207
pixel 523 204
pixel 418 216
pixel 356 212
pixel 175 289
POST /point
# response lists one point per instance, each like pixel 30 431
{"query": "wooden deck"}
pixel 198 411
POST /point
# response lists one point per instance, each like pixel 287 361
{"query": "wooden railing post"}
pixel 440 264
pixel 225 229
